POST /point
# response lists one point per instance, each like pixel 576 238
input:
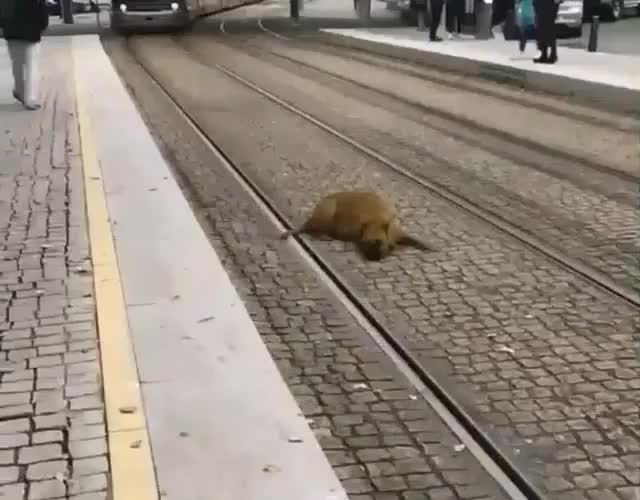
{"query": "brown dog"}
pixel 361 217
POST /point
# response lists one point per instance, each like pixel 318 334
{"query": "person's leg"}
pixel 449 18
pixel 31 75
pixel 459 14
pixel 544 53
pixel 539 9
pixel 452 16
pixel 436 14
pixel 496 12
pixel 16 54
pixel 553 56
pixel 522 31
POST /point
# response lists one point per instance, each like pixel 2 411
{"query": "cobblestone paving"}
pixel 52 431
pixel 545 363
pixel 382 439
pixel 601 230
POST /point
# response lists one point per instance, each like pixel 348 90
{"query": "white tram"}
pixel 134 15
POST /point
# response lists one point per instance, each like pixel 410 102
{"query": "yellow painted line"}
pixel 132 471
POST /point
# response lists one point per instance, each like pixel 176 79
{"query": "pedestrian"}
pixel 455 11
pixel 546 13
pixel 436 17
pixel 22 30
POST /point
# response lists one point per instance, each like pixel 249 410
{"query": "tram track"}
pixel 355 304
pixel 297 34
pixel 322 43
pixel 594 275
pixel 496 463
pixel 482 132
pixel 563 163
pixel 617 122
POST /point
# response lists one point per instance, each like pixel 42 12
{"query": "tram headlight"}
pixel 174 6
pixel 123 8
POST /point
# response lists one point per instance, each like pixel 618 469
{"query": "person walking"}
pixel 23 32
pixel 501 9
pixel 546 14
pixel 455 11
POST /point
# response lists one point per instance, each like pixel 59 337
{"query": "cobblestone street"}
pixel 384 441
pixel 52 431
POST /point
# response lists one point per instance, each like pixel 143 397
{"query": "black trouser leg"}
pixel 454 15
pixel 523 38
pixel 436 14
pixel 450 17
pixel 540 11
pixel 551 35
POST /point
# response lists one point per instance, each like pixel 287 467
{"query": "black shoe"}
pixel 435 38
pixel 32 107
pixel 17 97
pixel 541 59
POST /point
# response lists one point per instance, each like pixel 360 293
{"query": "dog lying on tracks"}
pixel 361 217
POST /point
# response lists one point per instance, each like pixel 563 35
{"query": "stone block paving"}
pixel 546 363
pixel 52 429
pixel 586 214
pixel 382 439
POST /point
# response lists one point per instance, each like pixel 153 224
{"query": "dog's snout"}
pixel 374 250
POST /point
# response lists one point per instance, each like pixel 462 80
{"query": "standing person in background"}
pixel 546 13
pixel 436 17
pixel 23 33
pixel 501 9
pixel 455 11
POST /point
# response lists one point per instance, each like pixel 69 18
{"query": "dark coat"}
pixel 28 20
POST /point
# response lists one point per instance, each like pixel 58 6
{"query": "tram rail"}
pixel 594 275
pixel 455 416
pixel 496 463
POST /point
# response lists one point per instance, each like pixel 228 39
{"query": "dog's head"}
pixel 374 242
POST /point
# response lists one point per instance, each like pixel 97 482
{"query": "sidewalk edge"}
pixel 132 469
pixel 598 95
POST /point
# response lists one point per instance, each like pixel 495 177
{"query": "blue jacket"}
pixel 23 19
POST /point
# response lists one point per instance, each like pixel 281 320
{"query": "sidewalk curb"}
pixel 74 29
pixel 601 96
pixel 130 457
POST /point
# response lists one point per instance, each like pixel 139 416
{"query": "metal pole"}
pixel 67 11
pixel 593 34
pixel 294 9
pixel 483 19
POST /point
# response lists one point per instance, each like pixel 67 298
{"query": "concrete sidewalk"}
pixel 609 81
